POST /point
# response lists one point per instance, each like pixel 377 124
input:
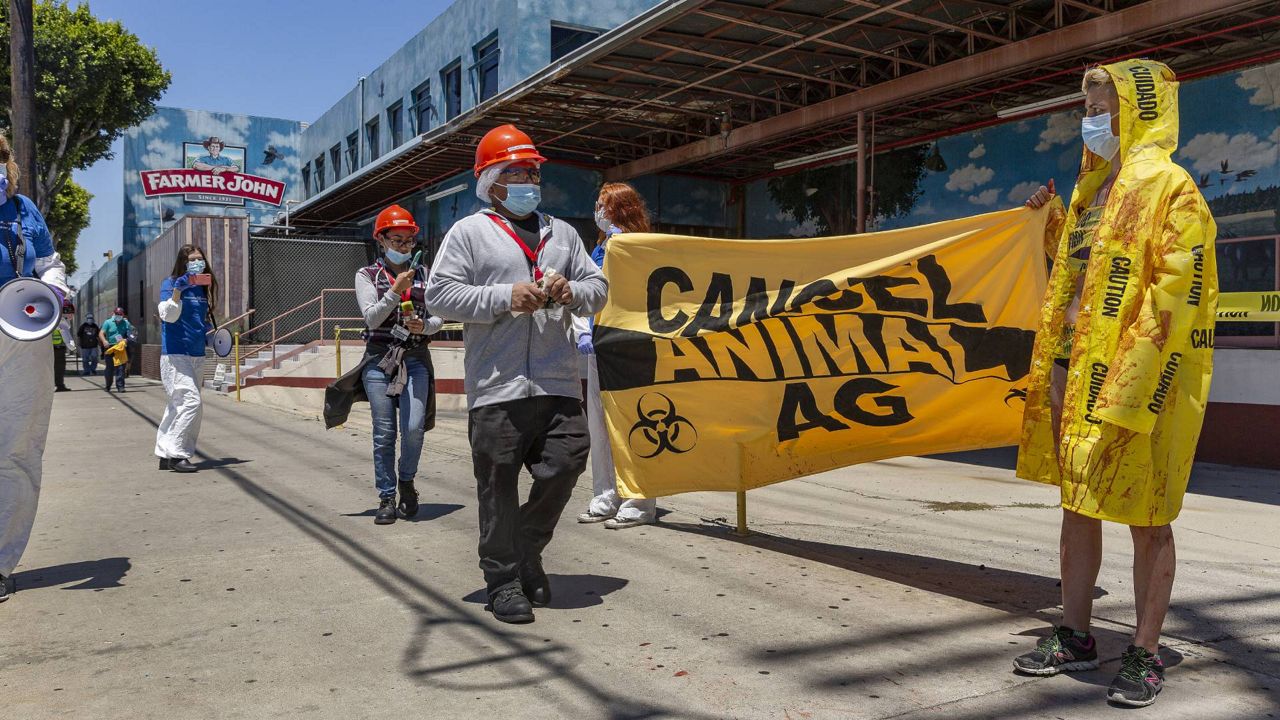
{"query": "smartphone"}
pixel 201 279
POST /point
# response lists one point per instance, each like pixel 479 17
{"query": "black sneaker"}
pixel 166 463
pixel 386 511
pixel 408 499
pixel 1062 651
pixel 1140 680
pixel 509 605
pixel 7 587
pixel 534 583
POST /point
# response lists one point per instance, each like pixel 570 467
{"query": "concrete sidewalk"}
pixel 260 588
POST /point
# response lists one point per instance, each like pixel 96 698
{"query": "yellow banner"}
pixel 1249 307
pixel 733 364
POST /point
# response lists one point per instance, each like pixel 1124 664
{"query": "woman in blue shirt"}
pixel 26 369
pixel 187 301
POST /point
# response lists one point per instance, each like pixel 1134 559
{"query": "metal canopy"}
pixel 727 89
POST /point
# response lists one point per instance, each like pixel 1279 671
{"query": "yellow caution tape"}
pixel 1249 306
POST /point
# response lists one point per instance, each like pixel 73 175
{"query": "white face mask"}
pixel 4 180
pixel 602 221
pixel 1098 137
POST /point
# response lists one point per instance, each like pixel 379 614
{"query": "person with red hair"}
pixel 619 208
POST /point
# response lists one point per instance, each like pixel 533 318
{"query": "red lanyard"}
pixel 531 255
pixel 391 278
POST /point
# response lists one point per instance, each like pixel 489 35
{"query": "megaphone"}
pixel 29 309
pixel 219 339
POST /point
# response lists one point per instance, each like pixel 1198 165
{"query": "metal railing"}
pixel 315 305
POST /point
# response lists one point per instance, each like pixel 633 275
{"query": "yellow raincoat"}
pixel 1142 357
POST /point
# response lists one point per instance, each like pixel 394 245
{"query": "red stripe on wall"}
pixel 1233 434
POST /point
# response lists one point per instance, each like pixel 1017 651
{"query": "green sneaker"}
pixel 1140 680
pixel 1063 651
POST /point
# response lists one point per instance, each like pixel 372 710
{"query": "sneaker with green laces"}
pixel 1063 651
pixel 1140 680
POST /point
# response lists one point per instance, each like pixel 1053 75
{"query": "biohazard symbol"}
pixel 659 428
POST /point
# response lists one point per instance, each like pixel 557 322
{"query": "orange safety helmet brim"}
pixel 394 217
pixel 505 143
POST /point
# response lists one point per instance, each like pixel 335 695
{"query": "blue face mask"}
pixel 397 257
pixel 195 267
pixel 1098 136
pixel 522 199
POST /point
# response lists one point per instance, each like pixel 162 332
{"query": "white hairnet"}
pixel 487 178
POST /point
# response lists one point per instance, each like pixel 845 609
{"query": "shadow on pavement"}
pixel 500 658
pixel 95 574
pixel 426 512
pixel 1007 589
pixel 568 592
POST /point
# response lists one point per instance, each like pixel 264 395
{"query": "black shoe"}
pixel 182 465
pixel 7 588
pixel 408 499
pixel 535 584
pixel 1141 678
pixel 386 511
pixel 166 464
pixel 62 388
pixel 509 605
pixel 108 388
pixel 1062 651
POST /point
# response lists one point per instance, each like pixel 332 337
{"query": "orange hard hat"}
pixel 394 217
pixel 502 144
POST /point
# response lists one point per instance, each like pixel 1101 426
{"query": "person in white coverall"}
pixel 26 370
pixel 187 301
pixel 619 208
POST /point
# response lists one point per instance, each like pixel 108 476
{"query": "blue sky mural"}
pixel 1232 118
pixel 157 144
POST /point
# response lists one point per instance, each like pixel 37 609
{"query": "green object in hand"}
pixel 406 307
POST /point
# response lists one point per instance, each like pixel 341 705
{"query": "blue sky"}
pixel 278 58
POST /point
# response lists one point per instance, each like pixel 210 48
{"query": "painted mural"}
pixel 1229 142
pixel 180 162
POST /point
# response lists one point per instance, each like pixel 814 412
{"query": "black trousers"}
pixel 59 365
pixel 547 435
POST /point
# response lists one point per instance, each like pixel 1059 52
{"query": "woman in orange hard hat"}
pixel 396 369
pixel 1119 383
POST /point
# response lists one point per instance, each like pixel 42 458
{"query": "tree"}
pixel 94 80
pixel 67 217
pixel 826 195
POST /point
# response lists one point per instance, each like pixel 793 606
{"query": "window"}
pixel 306 181
pixel 486 69
pixel 565 40
pixel 335 161
pixel 422 109
pixel 353 152
pixel 395 124
pixel 319 163
pixel 451 84
pixel 371 138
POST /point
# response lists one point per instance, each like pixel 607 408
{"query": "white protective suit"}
pixel 180 426
pixel 26 400
pixel 604 478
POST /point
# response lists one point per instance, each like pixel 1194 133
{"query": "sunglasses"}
pixel 521 175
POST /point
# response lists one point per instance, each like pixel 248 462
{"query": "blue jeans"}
pixel 412 408
pixel 115 373
pixel 89 356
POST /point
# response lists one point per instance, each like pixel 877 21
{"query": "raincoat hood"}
pixel 1142 355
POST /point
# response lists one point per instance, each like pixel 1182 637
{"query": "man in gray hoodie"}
pixel 515 277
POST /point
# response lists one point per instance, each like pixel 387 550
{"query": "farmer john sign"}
pixel 212 172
